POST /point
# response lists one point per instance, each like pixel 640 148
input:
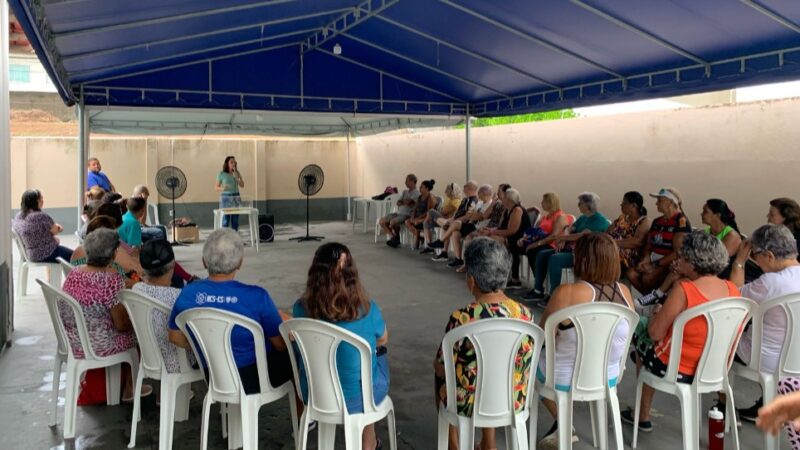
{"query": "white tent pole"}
pixel 83 147
pixel 6 263
pixel 349 213
pixel 468 120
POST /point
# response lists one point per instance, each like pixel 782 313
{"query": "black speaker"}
pixel 266 227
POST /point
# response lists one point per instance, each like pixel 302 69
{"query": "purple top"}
pixel 34 230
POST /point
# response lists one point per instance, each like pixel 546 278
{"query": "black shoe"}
pixel 533 294
pixel 436 244
pixel 394 242
pixel 750 414
pixel 427 251
pixel 456 263
pixel 440 257
pixel 645 426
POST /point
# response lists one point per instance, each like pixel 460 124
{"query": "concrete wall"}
pixel 745 154
pixel 269 168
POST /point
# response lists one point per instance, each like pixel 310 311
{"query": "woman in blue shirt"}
pixel 229 180
pixel 334 294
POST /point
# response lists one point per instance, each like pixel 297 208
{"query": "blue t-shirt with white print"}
pixel 250 301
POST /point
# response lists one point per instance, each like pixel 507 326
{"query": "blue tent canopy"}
pixel 410 57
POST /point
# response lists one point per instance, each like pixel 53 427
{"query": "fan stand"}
pixel 308 236
pixel 175 242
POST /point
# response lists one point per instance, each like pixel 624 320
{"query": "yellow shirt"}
pixel 450 206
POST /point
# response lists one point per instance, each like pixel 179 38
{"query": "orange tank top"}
pixel 694 333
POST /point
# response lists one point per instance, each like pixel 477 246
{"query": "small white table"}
pixel 252 213
pixel 381 208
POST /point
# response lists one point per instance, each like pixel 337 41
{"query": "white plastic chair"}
pixel 595 326
pixel 175 390
pixel 152 214
pixel 66 267
pixel 389 206
pixel 211 329
pixel 53 270
pixel 789 361
pixel 317 342
pixel 726 318
pixel 76 367
pixel 496 343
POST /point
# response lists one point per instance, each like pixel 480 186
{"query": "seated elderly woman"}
pixel 426 202
pixel 515 221
pixel 223 254
pixel 488 264
pixel 630 229
pixel 553 223
pixel 597 266
pixel 468 223
pixel 100 209
pixel 468 204
pixel 664 238
pixel 334 294
pixel 452 200
pixel 123 262
pixel 700 259
pixel 95 286
pixel 774 249
pixel 550 262
pixel 38 230
pixel 158 262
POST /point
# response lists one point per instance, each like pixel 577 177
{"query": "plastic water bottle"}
pixel 716 429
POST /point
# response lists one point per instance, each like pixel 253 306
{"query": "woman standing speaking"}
pixel 229 180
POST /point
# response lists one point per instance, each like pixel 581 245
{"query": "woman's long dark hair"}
pixel 635 198
pixel 225 167
pixel 30 202
pixel 727 216
pixel 334 293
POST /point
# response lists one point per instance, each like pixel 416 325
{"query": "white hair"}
pixel 223 252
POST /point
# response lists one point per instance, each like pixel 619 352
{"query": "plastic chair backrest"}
pixel 54 296
pixel 391 201
pixel 533 216
pixel 66 267
pixel 789 362
pixel 141 308
pixel 317 342
pixel 595 327
pixel 20 246
pixel 496 343
pixel 152 214
pixel 726 318
pixel 210 329
pixel 439 203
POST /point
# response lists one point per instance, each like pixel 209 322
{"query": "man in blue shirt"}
pixel 223 253
pixel 97 178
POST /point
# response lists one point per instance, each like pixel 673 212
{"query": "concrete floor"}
pixel 416 296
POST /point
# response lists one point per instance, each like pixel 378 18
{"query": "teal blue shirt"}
pixel 229 183
pixel 596 222
pixel 131 230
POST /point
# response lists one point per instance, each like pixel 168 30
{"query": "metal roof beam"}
pixel 162 20
pixel 532 38
pixel 426 66
pixel 361 13
pixel 191 63
pixel 180 55
pixel 204 34
pixel 380 71
pixel 645 34
pixel 772 15
pixel 476 55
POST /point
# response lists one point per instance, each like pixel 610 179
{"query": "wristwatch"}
pixel 738 264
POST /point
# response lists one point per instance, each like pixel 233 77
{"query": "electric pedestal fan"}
pixel 310 182
pixel 171 183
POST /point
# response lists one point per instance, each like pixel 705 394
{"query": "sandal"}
pixel 146 391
